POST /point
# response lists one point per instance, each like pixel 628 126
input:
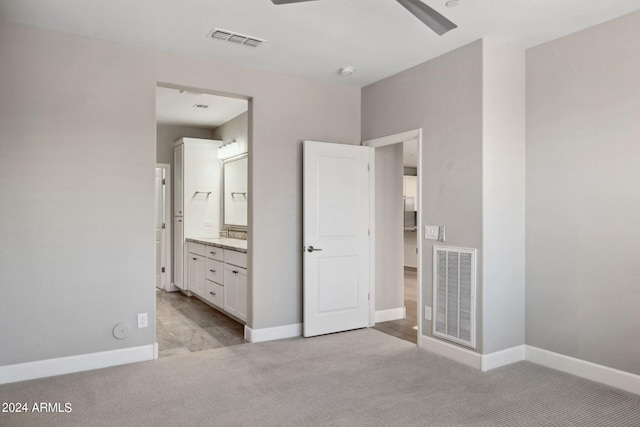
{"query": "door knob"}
pixel 312 249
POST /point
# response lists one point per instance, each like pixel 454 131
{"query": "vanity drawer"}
pixel 215 252
pixel 214 294
pixel 235 258
pixel 196 248
pixel 214 270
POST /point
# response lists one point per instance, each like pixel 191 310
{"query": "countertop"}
pixel 221 242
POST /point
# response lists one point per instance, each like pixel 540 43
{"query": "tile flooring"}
pixel 186 324
pixel 406 329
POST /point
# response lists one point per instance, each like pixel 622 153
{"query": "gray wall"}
pixel 283 111
pixel 167 135
pixel 77 185
pixel 583 199
pixel 236 128
pixel 389 293
pixel 503 196
pixel 444 98
pixel 77 128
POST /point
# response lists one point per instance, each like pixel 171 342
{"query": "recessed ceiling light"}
pixel 346 71
pixel 451 3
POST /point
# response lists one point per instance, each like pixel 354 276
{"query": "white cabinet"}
pixel 214 294
pixel 235 291
pixel 178 185
pixel 219 277
pixel 235 284
pixel 215 270
pixel 214 275
pixel 201 187
pixel 196 264
pixel 196 202
pixel 178 250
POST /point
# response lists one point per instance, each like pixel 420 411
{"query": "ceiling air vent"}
pixel 230 36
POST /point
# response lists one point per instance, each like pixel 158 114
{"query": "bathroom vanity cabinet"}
pixel 217 274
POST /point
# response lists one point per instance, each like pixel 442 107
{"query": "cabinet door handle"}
pixel 195 259
pixel 213 271
pixel 234 271
pixel 212 253
pixel 212 293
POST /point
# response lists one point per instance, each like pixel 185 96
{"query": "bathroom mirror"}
pixel 234 192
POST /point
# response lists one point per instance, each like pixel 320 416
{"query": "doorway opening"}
pixel 397 270
pixel 192 313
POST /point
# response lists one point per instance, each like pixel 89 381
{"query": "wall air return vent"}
pixel 454 294
pixel 230 36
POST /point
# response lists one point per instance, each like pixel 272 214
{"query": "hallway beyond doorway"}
pixel 406 329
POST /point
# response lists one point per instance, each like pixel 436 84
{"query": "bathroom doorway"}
pixel 187 321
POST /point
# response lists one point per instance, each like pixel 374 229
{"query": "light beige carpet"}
pixel 358 378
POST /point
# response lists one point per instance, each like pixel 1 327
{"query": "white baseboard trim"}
pixel 603 374
pixel 450 351
pixel 69 364
pixel 503 357
pixel 275 333
pixel 599 373
pixel 391 314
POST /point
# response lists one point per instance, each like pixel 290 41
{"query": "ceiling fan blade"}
pixel 287 1
pixel 428 16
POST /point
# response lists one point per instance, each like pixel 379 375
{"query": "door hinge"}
pixel 368 232
pixel 163 270
pixel 164 181
pixel 164 225
pixel 368 166
pixel 369 297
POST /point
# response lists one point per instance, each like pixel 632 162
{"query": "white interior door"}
pixel 160 229
pixel 336 237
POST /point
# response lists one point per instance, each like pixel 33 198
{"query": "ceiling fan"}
pixel 424 13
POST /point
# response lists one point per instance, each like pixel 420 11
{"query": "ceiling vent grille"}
pixel 230 36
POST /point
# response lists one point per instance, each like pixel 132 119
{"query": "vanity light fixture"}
pixel 228 149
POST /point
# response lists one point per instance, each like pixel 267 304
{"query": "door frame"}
pixel 168 236
pixel 396 138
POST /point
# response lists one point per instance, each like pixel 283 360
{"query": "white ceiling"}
pixel 174 107
pixel 314 39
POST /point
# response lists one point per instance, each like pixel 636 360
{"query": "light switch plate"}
pixel 431 232
pixel 427 313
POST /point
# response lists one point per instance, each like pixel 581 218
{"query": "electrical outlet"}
pixel 427 313
pixel 143 320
